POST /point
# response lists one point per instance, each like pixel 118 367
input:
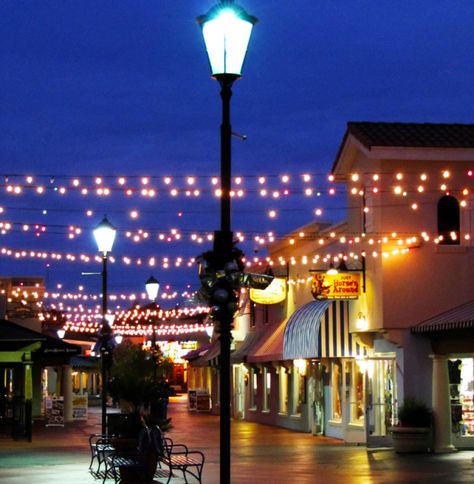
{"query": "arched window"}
pixel 448 220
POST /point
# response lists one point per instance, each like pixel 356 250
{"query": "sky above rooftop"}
pixel 123 88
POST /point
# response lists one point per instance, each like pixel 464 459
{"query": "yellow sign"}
pixel 345 285
pixel 273 294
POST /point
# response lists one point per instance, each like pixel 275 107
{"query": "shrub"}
pixel 414 413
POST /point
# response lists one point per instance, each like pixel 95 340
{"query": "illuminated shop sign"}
pixel 344 285
pixel 274 293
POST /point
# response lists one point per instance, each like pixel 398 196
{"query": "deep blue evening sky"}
pixel 123 88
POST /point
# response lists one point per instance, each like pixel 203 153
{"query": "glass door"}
pixel 380 401
pixel 317 399
pixel 239 391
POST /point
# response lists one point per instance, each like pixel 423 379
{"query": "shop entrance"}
pixel 380 401
pixel 317 398
pixel 239 391
pixel 461 394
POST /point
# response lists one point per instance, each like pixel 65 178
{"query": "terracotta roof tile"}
pixel 422 135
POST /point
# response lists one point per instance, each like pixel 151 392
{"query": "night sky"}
pixel 123 88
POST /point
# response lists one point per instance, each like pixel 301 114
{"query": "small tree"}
pixel 133 384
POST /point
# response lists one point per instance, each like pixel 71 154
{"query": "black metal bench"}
pixel 100 446
pixel 177 456
pixel 154 450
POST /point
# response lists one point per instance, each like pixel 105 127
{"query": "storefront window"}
pixel 283 391
pixel 357 394
pixel 267 379
pixel 253 388
pixel 299 384
pixel 336 384
pixel 461 389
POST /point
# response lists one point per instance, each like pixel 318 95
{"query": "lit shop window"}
pixel 253 388
pixel 283 393
pixel 267 379
pixel 357 394
pixel 336 387
pixel 461 393
pixel 299 385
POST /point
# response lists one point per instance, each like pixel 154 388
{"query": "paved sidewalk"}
pixel 260 454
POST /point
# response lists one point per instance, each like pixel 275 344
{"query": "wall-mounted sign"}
pixel 273 294
pixel 345 285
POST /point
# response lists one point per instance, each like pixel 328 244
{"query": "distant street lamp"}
pixel 104 235
pixel 152 287
pixel 226 29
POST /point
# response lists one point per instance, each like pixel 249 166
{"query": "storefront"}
pixel 308 374
pixel 461 395
pixel 452 342
pixel 319 332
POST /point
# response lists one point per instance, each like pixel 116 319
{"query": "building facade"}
pixel 341 367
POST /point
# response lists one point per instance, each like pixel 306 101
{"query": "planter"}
pixel 411 439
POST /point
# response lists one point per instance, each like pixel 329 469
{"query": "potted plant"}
pixel 413 432
pixel 138 383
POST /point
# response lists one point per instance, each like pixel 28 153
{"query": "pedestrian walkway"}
pixel 260 454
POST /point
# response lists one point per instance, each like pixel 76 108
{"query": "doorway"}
pixel 380 401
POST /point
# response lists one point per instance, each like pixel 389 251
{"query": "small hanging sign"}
pixel 344 285
pixel 273 294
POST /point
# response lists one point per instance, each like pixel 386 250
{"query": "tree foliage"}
pixel 132 375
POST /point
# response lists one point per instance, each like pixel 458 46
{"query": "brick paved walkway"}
pixel 260 454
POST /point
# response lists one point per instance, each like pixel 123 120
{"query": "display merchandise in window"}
pixel 461 394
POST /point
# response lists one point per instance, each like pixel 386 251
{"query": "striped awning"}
pixel 240 354
pixel 270 348
pixel 320 329
pixel 457 318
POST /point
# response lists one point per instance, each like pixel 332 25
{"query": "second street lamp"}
pixel 104 235
pixel 226 29
pixel 152 287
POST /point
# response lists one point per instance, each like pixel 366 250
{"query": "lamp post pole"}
pixel 152 287
pixel 226 29
pixel 104 344
pixel 104 235
pixel 226 233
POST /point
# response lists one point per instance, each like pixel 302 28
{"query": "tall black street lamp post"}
pixel 226 29
pixel 104 235
pixel 152 287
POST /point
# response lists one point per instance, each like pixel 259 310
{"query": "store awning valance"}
pixel 209 357
pixel 320 329
pixel 248 344
pixel 201 351
pixel 270 348
pixel 457 318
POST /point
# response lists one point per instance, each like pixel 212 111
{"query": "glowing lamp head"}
pixel 104 235
pixel 332 271
pixel 226 29
pixel 152 287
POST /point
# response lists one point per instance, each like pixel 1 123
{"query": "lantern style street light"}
pixel 226 29
pixel 152 287
pixel 104 235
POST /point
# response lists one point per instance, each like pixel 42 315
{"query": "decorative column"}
pixel 66 382
pixel 441 406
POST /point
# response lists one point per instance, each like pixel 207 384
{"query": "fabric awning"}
pixel 201 351
pixel 210 357
pixel 84 362
pixel 270 348
pixel 457 318
pixel 251 341
pixel 320 329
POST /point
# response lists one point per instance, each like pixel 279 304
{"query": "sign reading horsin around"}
pixel 344 285
pixel 273 294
